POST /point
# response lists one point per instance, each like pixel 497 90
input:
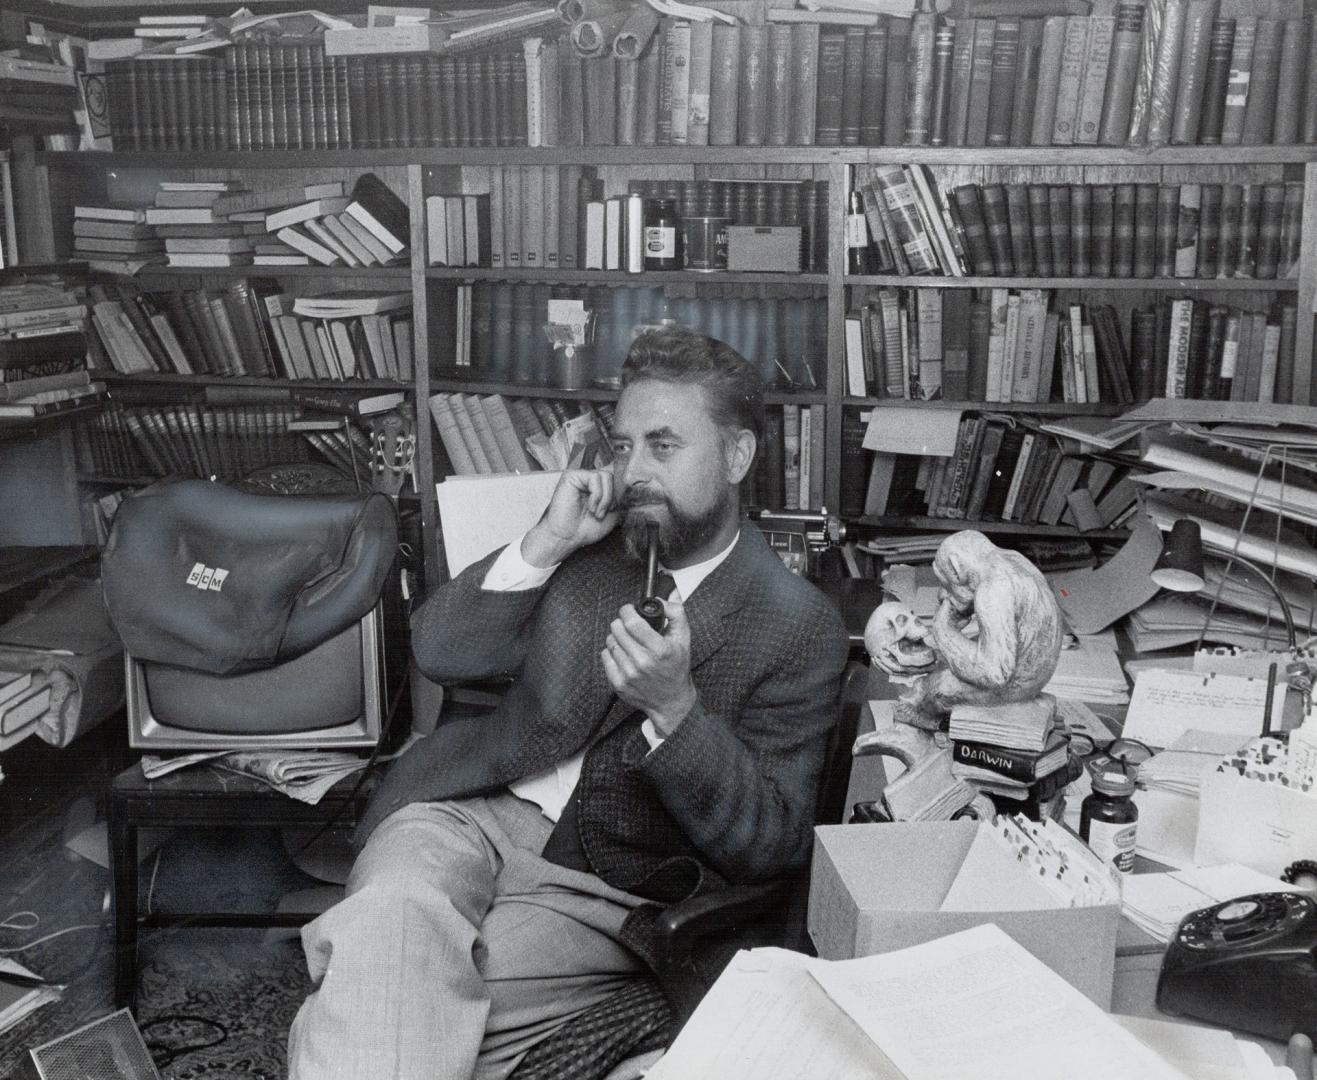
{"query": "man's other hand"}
pixel 652 671
pixel 581 511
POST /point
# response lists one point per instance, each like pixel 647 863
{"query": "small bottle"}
pixel 662 250
pixel 1108 818
pixel 857 235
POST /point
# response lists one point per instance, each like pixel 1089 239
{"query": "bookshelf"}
pixel 53 180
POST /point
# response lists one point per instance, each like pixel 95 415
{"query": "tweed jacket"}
pixel 728 797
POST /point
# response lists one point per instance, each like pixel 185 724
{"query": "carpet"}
pixel 249 982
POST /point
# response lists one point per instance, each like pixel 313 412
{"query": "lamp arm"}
pixel 1275 589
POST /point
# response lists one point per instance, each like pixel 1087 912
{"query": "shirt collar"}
pixel 688 578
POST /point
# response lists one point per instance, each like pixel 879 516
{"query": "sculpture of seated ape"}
pixel 1013 655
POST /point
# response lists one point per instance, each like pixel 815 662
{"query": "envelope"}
pixel 1259 823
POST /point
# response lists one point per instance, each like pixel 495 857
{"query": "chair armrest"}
pixel 683 925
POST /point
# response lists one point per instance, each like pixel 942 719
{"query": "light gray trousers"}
pixel 456 949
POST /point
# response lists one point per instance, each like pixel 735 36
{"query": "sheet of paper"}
pixel 990 878
pixel 1203 1053
pixel 1093 599
pixel 481 513
pixel 766 1019
pixel 902 430
pixel 979 997
pixel 1166 704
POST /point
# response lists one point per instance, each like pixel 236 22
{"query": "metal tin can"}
pixel 704 241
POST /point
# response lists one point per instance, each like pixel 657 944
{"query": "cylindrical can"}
pixel 572 364
pixel 704 240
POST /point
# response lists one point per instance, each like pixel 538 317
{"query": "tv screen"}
pixel 328 698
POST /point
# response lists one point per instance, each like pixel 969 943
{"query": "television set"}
pixel 330 698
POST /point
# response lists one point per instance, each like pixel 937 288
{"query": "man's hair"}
pixel 735 389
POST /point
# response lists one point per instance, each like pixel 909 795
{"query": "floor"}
pixel 237 989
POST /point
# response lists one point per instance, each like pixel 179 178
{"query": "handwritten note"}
pixel 1166 704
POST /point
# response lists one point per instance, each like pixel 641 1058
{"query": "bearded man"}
pixel 508 856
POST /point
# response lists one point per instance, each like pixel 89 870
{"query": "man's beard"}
pixel 679 535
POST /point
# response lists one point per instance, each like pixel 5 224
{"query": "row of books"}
pixel 263 95
pixel 498 335
pixel 1181 75
pixel 1032 345
pixel 199 439
pixel 1002 470
pixel 249 328
pixel 904 223
pixel 557 217
pixel 492 433
pixel 205 223
pixel 1177 73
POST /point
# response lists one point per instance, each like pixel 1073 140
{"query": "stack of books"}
pixel 43 348
pixel 1016 752
pixel 115 239
pixel 37 94
pixel 193 233
pixel 368 227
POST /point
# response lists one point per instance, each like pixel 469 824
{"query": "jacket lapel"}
pixel 720 594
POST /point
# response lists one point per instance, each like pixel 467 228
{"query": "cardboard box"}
pixel 878 887
pixel 771 248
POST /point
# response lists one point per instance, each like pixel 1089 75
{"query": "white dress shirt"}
pixel 551 789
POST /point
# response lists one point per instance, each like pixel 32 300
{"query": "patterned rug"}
pixel 243 984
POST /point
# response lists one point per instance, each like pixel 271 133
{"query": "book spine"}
pixel 942 46
pixel 1092 84
pixel 831 75
pixel 1122 75
pixel 1026 81
pixel 873 83
pixel 1049 80
pixel 1166 73
pixel 778 128
pixel 1101 221
pixel 1073 53
pixel 1193 72
pixel 852 84
pixel 1260 109
pixel 724 87
pixel 894 91
pixel 701 74
pixel 1001 94
pixel 919 79
pixel 752 104
pixel 1216 81
pixel 1209 231
pixel 804 84
pixel 980 82
pixel 1290 78
pixel 1186 234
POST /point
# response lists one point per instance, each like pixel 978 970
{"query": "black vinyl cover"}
pixel 200 575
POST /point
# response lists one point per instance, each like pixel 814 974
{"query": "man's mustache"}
pixel 634 497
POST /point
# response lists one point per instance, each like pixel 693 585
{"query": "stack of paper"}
pixel 1089 670
pixel 1180 768
pixel 1157 903
pixel 1169 621
pixel 1166 704
pixel 975 1003
pixel 1023 725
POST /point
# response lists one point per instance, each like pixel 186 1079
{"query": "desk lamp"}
pixel 1179 568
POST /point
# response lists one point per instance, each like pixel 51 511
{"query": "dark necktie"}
pixel 564 844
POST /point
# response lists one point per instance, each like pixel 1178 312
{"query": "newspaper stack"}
pixel 304 775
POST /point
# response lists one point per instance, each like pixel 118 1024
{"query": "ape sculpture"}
pixel 1009 657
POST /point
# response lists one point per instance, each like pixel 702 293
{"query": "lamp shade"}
pixel 1180 565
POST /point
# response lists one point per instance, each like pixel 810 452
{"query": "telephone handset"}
pixel 650 607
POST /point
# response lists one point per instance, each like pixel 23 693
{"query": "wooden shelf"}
pixel 616 277
pixel 400 274
pixel 204 381
pixel 679 155
pixel 915 523
pixel 1044 408
pixel 1157 284
pixel 592 393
